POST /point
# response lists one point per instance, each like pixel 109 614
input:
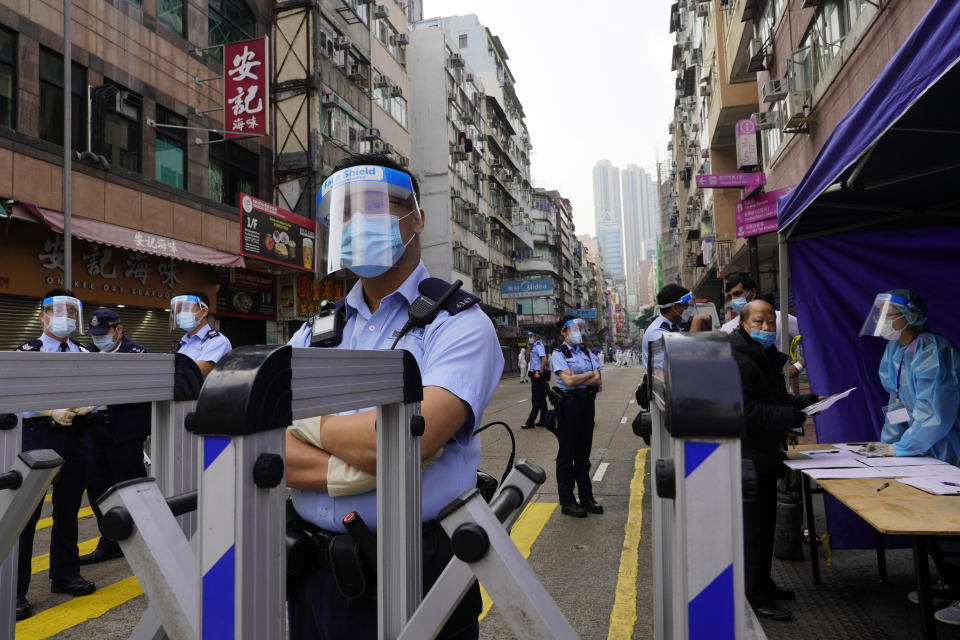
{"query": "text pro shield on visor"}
pixel 364 207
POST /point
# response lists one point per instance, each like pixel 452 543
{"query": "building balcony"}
pixel 538 264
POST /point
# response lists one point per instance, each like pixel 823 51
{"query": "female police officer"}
pixel 578 373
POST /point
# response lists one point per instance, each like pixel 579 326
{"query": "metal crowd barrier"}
pixel 31 381
pixel 235 587
pixel 697 411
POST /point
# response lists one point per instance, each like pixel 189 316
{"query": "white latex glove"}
pixel 880 449
pixel 63 417
pixel 82 411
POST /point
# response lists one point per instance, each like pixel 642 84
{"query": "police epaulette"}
pixel 461 300
pixel 565 350
pixel 33 345
pixel 212 334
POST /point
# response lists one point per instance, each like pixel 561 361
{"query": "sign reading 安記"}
pixel 526 288
pixel 246 88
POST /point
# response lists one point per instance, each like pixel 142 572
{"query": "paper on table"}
pixel 943 472
pixel 932 484
pixel 902 461
pixel 824 462
pixel 861 472
pixel 826 403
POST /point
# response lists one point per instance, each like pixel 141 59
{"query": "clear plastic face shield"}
pixel 684 300
pixel 574 331
pixel 371 212
pixel 63 315
pixel 185 312
pixel 886 316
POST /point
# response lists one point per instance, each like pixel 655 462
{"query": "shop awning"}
pixel 116 236
pixel 894 153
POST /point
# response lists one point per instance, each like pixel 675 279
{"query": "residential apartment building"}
pixel 792 68
pixel 154 202
pixel 640 225
pixel 609 218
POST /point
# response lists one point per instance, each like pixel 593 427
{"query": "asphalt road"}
pixel 577 560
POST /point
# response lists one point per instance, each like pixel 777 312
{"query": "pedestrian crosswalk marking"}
pixel 43 523
pixel 77 610
pixel 525 531
pixel 623 617
pixel 42 562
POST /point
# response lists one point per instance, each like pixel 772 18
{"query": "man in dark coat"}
pixel 771 414
pixel 117 432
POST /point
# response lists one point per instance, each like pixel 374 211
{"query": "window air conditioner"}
pixel 370 134
pixel 381 12
pixel 383 82
pixel 330 98
pixel 396 92
pixel 342 42
pixel 403 40
pixel 456 60
pixel 377 146
pixel 775 90
pixel 767 120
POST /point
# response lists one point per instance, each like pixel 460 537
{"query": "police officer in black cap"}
pixel 117 432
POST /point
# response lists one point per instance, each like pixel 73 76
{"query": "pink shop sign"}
pixel 756 228
pixel 748 181
pixel 761 207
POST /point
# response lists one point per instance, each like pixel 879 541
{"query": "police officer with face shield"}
pixel 61 430
pixel 675 304
pixel 374 222
pixel 578 381
pixel 188 312
pixel 117 432
pixel 920 369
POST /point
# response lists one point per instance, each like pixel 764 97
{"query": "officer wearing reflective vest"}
pixel 188 312
pixel 374 226
pixel 578 381
pixel 117 432
pixel 61 430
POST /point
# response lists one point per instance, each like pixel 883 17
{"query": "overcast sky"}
pixel 594 79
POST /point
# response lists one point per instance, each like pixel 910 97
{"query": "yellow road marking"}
pixel 623 617
pixel 76 610
pixel 43 523
pixel 48 497
pixel 525 531
pixel 42 562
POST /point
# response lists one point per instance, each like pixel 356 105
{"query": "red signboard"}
pixel 246 88
pixel 276 235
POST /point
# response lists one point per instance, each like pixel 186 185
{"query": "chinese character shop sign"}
pixel 246 88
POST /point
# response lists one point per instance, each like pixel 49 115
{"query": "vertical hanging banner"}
pixel 246 88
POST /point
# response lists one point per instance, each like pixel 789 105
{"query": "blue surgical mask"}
pixel 187 321
pixel 371 243
pixel 62 327
pixel 737 304
pixel 104 342
pixel 765 338
pixel 575 338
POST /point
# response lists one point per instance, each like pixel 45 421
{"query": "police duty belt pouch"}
pixel 643 393
pixel 346 566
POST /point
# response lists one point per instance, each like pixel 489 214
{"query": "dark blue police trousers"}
pixel 72 445
pixel 575 440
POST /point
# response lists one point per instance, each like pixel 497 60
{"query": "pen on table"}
pixel 950 484
pixel 817 452
pixel 883 486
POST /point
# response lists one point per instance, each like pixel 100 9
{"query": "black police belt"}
pixel 580 394
pixel 352 561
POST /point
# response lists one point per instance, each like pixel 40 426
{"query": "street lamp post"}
pixel 67 143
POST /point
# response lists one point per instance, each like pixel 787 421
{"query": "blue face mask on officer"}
pixel 105 342
pixel 61 315
pixel 184 310
pixel 380 239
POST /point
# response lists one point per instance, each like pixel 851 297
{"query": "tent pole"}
pixel 754 250
pixel 784 302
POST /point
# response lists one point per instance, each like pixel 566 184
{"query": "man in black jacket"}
pixel 771 413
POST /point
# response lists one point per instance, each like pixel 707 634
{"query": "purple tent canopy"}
pixel 876 211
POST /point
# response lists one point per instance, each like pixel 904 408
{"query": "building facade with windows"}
pixel 791 67
pixel 154 186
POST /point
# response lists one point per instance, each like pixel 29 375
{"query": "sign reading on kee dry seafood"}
pixel 276 235
pixel 246 88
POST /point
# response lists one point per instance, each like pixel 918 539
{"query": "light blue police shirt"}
pixel 200 347
pixel 459 353
pixel 578 362
pixel 46 344
pixel 657 328
pixel 536 352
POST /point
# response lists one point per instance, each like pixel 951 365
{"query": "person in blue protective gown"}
pixel 920 370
